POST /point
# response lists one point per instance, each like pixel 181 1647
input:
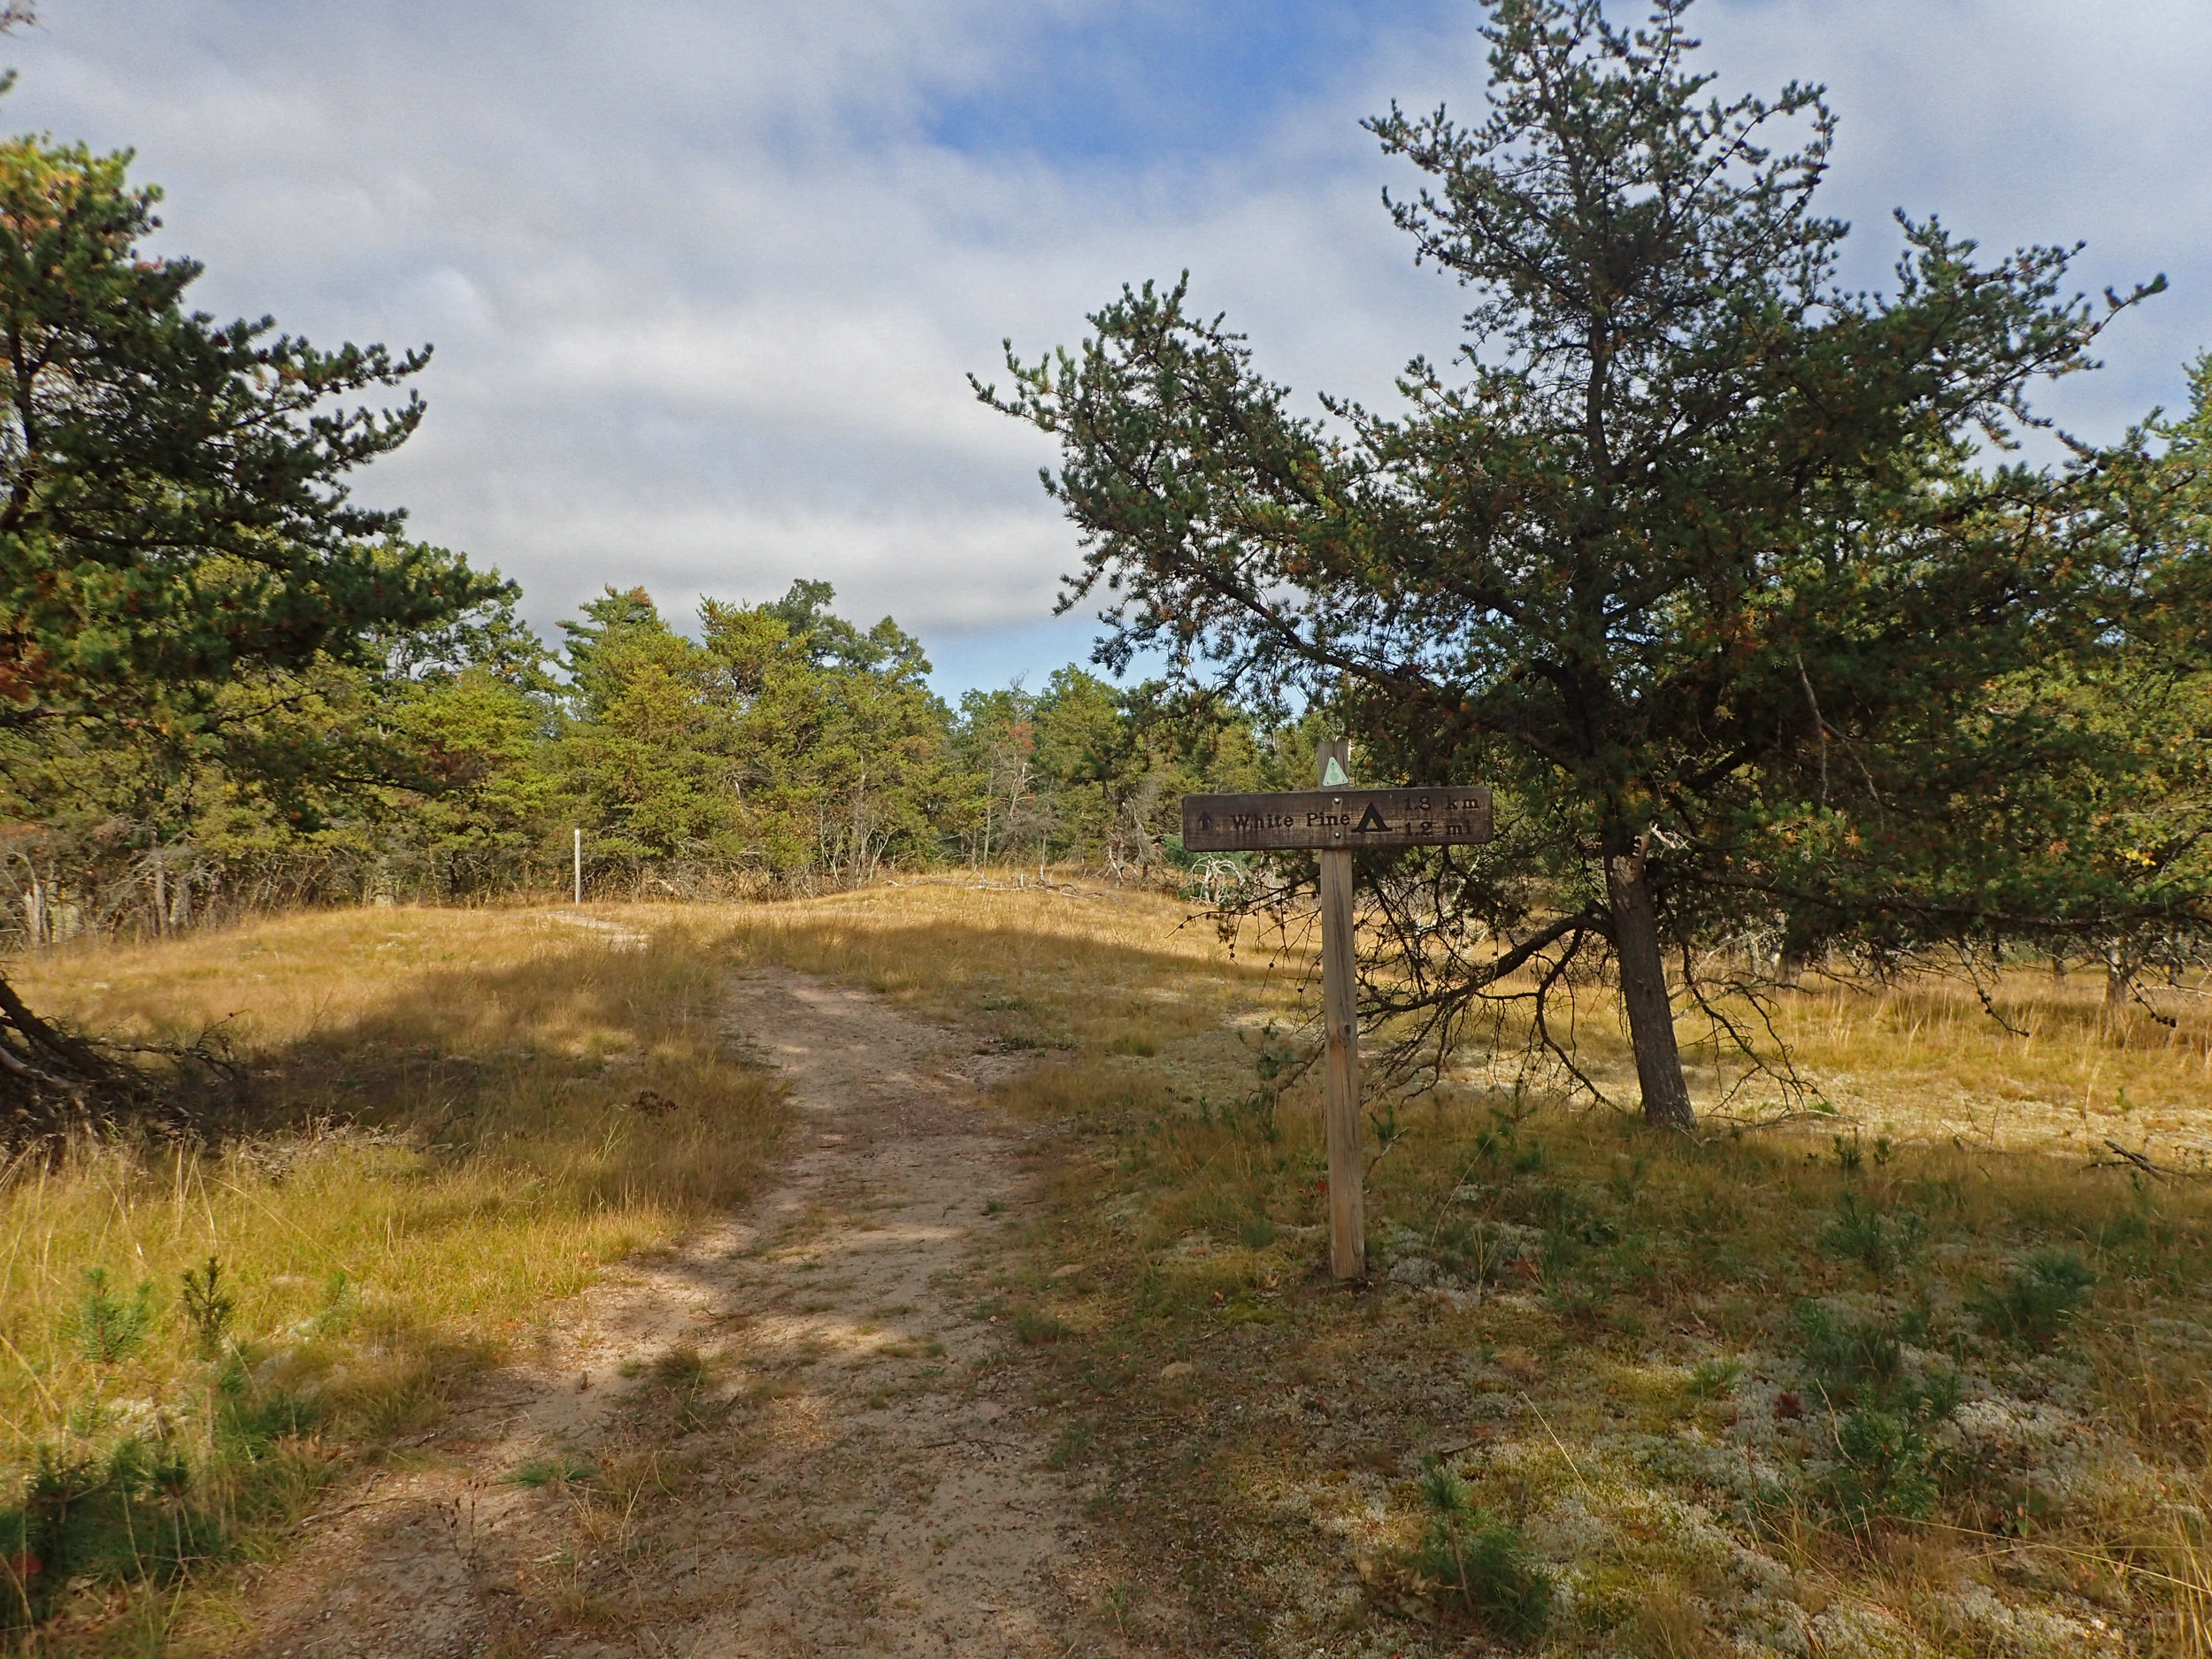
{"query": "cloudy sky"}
pixel 704 276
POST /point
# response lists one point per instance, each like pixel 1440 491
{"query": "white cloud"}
pixel 2019 122
pixel 704 288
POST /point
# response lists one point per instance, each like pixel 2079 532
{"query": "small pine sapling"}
pixel 1483 1563
pixel 108 1329
pixel 209 1307
pixel 1881 1241
pixel 2038 1299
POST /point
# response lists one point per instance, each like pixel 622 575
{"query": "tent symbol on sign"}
pixel 1370 820
pixel 1205 820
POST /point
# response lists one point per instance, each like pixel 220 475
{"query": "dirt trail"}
pixel 846 1466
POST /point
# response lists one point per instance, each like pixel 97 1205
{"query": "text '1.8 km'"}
pixel 1350 819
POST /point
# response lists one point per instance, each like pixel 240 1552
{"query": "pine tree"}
pixel 173 513
pixel 1692 553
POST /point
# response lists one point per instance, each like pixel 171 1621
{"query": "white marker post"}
pixel 580 869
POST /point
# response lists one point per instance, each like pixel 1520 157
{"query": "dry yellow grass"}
pixel 1595 1326
pixel 1578 1308
pixel 1109 971
pixel 2068 1073
pixel 457 1118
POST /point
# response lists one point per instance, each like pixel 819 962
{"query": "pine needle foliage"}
pixel 1721 572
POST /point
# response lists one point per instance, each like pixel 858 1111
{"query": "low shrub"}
pixel 682 1369
pixel 1713 1377
pixel 143 1509
pixel 1486 1252
pixel 1844 1352
pixel 1881 1241
pixel 1038 1324
pixel 1482 1563
pixel 2039 1299
pixel 209 1307
pixel 106 1328
pixel 1884 1467
pixel 555 1474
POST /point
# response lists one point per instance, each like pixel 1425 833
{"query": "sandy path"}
pixel 804 1433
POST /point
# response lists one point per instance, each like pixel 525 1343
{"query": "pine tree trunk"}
pixel 46 1078
pixel 1644 989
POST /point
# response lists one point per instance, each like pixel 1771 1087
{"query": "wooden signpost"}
pixel 1338 820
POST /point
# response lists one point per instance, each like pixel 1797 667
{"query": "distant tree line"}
pixel 776 749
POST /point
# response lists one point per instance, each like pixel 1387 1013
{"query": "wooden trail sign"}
pixel 1338 820
pixel 1358 820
